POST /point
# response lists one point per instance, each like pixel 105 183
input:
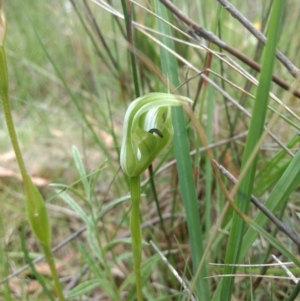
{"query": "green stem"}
pixel 128 22
pixel 17 150
pixel 150 168
pixel 7 111
pixel 50 260
pixel 136 233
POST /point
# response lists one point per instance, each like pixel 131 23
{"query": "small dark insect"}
pixel 157 132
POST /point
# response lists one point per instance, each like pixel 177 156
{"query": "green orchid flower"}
pixel 147 131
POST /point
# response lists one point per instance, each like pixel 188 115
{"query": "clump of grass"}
pixel 233 121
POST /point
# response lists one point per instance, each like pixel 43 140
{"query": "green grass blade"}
pixel 256 128
pixel 289 181
pixel 34 271
pixel 274 242
pixel 146 270
pixel 76 207
pixel 86 287
pixel 128 20
pixel 81 170
pixel 4 264
pixel 294 293
pixel 180 140
pixel 208 167
pixel 268 176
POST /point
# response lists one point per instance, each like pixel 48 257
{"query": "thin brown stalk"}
pixel 197 30
pixel 290 233
pixel 259 35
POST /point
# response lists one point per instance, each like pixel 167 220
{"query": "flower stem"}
pixel 7 111
pixel 18 153
pixel 50 261
pixel 136 233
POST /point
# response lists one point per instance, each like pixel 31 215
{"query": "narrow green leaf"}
pixel 73 204
pixel 86 287
pixel 134 66
pixel 35 272
pixel 81 170
pixel 99 271
pixel 91 261
pixel 293 296
pixel 256 128
pixel 126 240
pixel 289 181
pixel 273 169
pixel 186 181
pixel 5 265
pixel 146 270
pixel 274 242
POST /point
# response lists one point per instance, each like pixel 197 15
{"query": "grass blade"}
pixel 282 190
pixel 180 140
pixel 256 128
pixel 34 271
pixel 81 171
